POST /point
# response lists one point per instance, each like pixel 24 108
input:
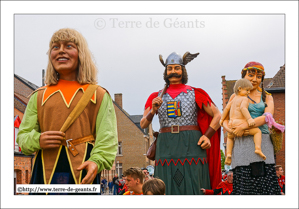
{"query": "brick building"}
pixel 22 163
pixel 133 141
pixel 275 86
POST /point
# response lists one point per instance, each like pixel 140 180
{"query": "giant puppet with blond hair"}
pixel 254 174
pixel 70 123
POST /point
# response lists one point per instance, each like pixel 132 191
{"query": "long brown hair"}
pixel 87 71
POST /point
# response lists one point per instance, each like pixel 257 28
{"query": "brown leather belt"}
pixel 71 143
pixel 176 129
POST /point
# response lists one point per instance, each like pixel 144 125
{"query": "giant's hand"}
pixel 206 144
pixel 51 139
pixel 92 170
pixel 156 104
pixel 251 122
pixel 240 130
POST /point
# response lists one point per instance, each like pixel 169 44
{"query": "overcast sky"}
pixel 126 49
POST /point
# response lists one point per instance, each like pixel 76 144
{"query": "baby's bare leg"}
pixel 257 138
pixel 229 145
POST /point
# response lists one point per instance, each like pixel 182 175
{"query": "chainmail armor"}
pixel 188 110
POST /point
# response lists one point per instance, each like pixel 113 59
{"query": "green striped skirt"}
pixel 181 163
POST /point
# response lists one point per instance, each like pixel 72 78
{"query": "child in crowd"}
pixel 154 186
pixel 134 181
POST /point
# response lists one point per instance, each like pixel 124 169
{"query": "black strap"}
pixel 251 99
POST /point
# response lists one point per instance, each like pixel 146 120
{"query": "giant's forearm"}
pixel 105 148
pixel 259 121
pixel 215 121
pixel 215 114
pixel 147 118
pixel 144 123
pixel 245 113
pixel 225 113
pixel 29 130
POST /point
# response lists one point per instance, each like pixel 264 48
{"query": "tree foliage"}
pixel 222 159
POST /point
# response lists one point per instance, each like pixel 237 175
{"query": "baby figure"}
pixel 238 114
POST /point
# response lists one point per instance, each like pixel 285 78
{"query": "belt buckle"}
pixel 67 142
pixel 173 132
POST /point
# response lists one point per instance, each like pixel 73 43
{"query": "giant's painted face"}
pixel 65 57
pixel 255 77
pixel 174 74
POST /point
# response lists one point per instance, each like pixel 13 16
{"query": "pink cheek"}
pixel 74 55
pixel 52 54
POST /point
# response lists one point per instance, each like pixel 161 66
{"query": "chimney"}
pixel 118 98
pixel 224 92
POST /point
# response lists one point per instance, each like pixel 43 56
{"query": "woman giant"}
pixel 252 175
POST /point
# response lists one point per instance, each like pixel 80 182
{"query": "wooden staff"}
pixel 163 92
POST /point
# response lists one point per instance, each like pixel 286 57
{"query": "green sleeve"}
pixel 106 143
pixel 29 131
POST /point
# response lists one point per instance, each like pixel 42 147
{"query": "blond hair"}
pixel 243 83
pixel 87 71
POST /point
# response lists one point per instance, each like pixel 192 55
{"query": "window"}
pixel 119 168
pixel 27 180
pixel 119 150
